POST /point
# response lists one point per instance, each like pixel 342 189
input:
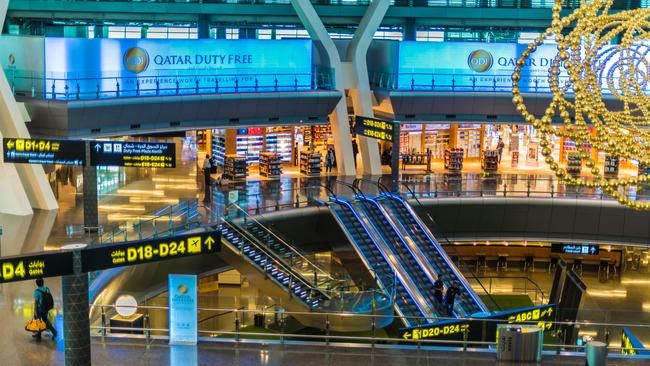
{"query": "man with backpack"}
pixel 43 303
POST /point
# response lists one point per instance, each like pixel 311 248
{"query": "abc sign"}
pixel 479 60
pixel 136 59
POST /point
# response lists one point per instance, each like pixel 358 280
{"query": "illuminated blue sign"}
pixel 183 309
pixel 131 67
pixel 473 66
pixel 577 249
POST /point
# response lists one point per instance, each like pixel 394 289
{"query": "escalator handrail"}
pixel 287 245
pixel 345 203
pixel 406 273
pixel 400 237
pixel 444 255
pixel 277 261
pixel 448 242
pixel 381 187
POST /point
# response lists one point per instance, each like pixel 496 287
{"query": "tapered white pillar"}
pixel 14 200
pixel 360 90
pixel 339 117
pixel 351 74
pixel 12 124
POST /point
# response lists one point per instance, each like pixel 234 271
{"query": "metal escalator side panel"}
pixel 443 254
pixel 344 205
pixel 398 244
pixel 276 265
pixel 408 242
pixel 391 258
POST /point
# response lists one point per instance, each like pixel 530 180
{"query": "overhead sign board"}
pixel 575 249
pixel 147 251
pixel 28 267
pixel 44 151
pixel 133 154
pixel 374 128
pixel 453 330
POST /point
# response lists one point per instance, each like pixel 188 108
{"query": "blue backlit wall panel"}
pixel 141 66
pixel 472 66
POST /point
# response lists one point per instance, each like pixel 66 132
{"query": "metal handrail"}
pixel 287 245
pixel 30 84
pixel 441 233
pixel 182 208
pixel 525 279
pixel 328 315
pixel 270 254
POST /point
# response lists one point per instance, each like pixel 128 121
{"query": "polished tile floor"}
pixel 245 354
pixel 624 300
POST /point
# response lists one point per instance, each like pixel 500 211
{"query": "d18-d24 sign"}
pixel 374 128
pixel 146 251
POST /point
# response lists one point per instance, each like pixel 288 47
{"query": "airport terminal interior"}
pixel 325 182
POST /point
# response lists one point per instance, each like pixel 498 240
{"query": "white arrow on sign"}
pixel 98 147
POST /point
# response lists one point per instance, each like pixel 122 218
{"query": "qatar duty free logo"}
pixel 480 60
pixel 182 290
pixel 136 60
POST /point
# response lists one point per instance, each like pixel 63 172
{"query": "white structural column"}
pixel 360 91
pixel 34 183
pixel 338 118
pixel 13 199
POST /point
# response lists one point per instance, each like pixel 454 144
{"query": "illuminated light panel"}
pixel 173 180
pixel 142 192
pixel 646 306
pixel 635 282
pixel 140 199
pixel 607 293
pixel 176 186
pixel 126 207
pixel 590 333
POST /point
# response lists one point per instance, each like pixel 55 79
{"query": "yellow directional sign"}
pixel 145 251
pixel 44 151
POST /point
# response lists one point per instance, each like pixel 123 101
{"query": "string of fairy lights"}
pixel 583 68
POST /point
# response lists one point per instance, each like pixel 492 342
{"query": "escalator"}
pixel 417 268
pixel 271 265
pixel 422 239
pixel 411 305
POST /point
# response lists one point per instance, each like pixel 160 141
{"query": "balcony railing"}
pixel 69 87
pixel 518 4
pixel 460 82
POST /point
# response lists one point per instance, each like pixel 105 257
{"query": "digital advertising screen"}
pixel 171 66
pixel 468 66
pixel 44 151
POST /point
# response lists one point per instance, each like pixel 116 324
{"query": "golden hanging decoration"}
pixel 584 69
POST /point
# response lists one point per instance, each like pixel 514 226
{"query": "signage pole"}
pixel 91 215
pixel 76 325
pixel 394 161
